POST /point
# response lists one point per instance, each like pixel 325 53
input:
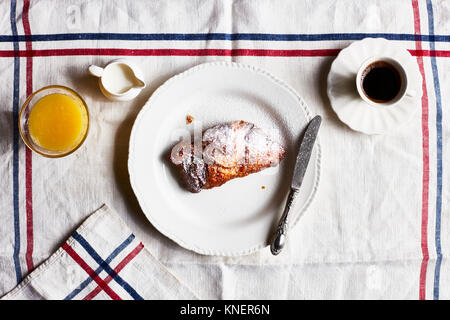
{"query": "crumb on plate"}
pixel 189 119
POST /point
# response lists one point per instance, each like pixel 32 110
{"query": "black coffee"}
pixel 381 81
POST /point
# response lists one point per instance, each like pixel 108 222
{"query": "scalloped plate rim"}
pixel 146 108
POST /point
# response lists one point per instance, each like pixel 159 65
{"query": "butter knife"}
pixel 304 153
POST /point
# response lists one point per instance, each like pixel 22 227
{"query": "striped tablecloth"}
pixel 378 227
pixel 102 259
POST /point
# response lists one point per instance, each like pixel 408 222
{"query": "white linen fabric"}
pixel 378 226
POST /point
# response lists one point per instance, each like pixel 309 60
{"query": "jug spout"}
pixel 138 83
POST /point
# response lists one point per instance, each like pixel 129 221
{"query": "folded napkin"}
pixel 101 260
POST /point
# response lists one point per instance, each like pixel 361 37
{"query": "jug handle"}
pixel 96 71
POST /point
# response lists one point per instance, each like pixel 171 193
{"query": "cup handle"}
pixel 411 93
pixel 95 71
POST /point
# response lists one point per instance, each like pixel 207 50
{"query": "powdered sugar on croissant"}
pixel 228 151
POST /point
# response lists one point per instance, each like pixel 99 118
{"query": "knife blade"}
pixel 301 163
pixel 305 150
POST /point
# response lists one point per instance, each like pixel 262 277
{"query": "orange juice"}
pixel 57 122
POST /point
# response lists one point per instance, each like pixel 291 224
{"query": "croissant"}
pixel 227 151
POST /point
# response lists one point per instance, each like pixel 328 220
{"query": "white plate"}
pixel 345 100
pixel 238 217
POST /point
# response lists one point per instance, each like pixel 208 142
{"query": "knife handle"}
pixel 280 236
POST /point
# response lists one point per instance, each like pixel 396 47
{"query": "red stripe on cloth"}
pixel 117 269
pixel 170 52
pixel 197 52
pixel 90 272
pixel 430 53
pixel 285 53
pixel 426 164
pixel 28 153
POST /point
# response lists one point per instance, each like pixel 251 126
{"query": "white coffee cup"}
pixel 403 90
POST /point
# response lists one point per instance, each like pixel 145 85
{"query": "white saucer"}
pixel 345 100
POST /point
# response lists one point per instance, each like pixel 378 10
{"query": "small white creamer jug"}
pixel 119 80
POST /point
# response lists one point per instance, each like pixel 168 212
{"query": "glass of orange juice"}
pixel 54 121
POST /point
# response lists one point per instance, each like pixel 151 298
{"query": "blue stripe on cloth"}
pixel 222 36
pixel 114 254
pixel 437 91
pixel 15 119
pixel 105 266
